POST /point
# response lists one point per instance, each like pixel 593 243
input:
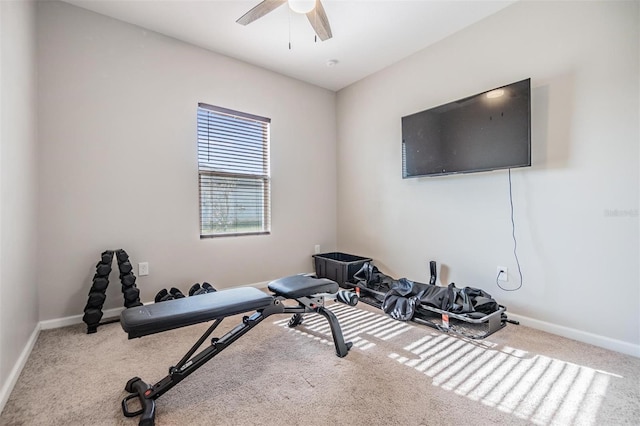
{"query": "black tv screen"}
pixel 487 131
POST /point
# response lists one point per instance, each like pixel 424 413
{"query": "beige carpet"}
pixel 396 374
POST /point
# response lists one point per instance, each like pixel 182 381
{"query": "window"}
pixel 233 169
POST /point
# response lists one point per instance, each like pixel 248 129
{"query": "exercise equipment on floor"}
pixel 216 306
pixel 130 292
pixel 175 293
pixel 468 312
pixel 196 289
pixel 97 293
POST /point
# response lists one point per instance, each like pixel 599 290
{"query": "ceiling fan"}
pixel 312 8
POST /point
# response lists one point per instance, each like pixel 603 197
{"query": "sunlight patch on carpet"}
pixel 533 387
pixel 358 327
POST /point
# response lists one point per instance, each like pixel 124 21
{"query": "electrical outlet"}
pixel 317 249
pixel 502 273
pixel 143 268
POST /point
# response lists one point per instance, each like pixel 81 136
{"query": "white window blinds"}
pixel 233 168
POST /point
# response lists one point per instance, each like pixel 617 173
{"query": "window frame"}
pixel 264 178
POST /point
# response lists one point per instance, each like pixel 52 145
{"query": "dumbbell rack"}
pixel 97 294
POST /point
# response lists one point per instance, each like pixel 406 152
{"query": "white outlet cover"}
pixel 504 276
pixel 143 268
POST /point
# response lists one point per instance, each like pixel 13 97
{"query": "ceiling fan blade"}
pixel 319 21
pixel 260 10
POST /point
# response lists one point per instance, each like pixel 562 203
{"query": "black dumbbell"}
pixel 177 294
pixel 92 316
pixel 103 269
pixel 107 257
pixel 208 288
pixel 163 295
pixel 195 289
pixel 131 294
pixel 99 284
pixel 128 280
pixel 121 255
pixel 96 300
pixel 125 267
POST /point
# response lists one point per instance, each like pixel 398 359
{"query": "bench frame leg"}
pixel 316 305
pixel 147 394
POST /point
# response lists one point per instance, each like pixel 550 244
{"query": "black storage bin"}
pixel 339 267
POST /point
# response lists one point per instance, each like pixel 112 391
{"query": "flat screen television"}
pixel 487 131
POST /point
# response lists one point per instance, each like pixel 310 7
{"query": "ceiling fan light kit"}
pixel 302 6
pixel 312 8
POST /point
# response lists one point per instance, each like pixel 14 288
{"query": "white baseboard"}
pixel 581 336
pixel 76 319
pixel 6 389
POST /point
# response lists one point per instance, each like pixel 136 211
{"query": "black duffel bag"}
pixel 400 301
pixel 467 300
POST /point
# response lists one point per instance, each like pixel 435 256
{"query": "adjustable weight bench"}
pixel 155 318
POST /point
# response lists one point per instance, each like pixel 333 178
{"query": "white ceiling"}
pixel 368 35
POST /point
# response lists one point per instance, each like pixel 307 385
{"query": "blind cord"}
pixel 515 243
pixel 289 28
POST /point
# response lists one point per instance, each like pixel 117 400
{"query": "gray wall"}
pixel 118 161
pixel 576 208
pixel 18 187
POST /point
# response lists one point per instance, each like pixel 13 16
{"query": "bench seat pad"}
pixel 157 317
pixel 297 286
